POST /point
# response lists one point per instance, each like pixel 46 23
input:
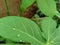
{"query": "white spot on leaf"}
pixel 18 35
pixel 14 28
pixel 21 41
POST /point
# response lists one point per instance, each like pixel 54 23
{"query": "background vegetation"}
pixel 29 22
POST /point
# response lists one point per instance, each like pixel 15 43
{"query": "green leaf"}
pixel 1 39
pixel 55 37
pixel 48 26
pixel 48 7
pixel 12 44
pixel 50 32
pixel 25 4
pixel 20 29
pixel 57 14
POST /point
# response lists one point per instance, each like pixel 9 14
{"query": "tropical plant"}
pixel 17 30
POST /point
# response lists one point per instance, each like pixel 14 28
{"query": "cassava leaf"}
pixel 25 4
pixel 48 7
pixel 20 29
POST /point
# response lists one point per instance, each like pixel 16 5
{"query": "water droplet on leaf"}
pixel 18 35
pixel 14 28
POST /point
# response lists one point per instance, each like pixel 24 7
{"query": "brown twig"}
pixel 37 18
pixel 30 11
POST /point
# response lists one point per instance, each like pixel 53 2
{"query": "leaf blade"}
pixel 19 29
pixel 47 8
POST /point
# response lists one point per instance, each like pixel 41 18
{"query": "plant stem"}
pixel 6 1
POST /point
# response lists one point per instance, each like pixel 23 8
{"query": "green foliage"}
pixel 50 32
pixel 25 4
pixel 10 44
pixel 1 38
pixel 48 7
pixel 20 29
pixel 6 1
pixel 58 14
pixel 15 29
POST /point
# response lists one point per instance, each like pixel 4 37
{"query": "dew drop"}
pixel 14 28
pixel 21 41
pixel 18 35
